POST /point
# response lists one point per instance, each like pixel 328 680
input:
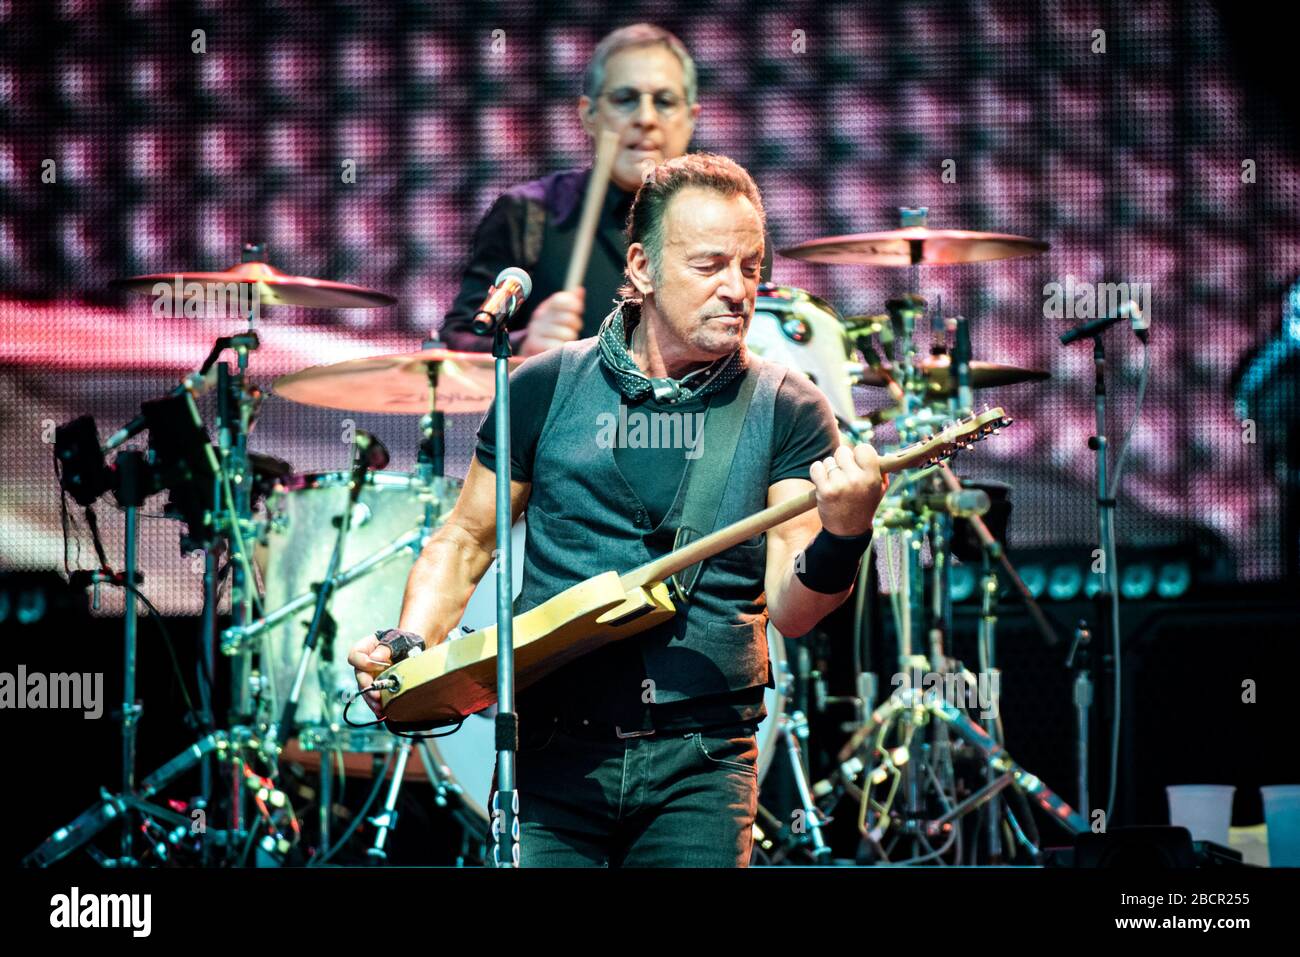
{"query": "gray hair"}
pixel 637 35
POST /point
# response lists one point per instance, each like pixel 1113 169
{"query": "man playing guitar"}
pixel 643 753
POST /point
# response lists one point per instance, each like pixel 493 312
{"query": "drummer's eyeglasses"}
pixel 626 100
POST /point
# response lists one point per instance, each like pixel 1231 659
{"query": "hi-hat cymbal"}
pixel 940 381
pixel 915 246
pixel 397 383
pixel 274 288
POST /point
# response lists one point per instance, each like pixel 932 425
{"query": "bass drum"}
pixel 799 330
pixel 300 535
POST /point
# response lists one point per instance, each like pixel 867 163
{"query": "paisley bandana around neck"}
pixel 635 384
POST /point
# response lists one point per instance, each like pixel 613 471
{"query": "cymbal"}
pixel 397 383
pixel 915 245
pixel 983 375
pixel 274 288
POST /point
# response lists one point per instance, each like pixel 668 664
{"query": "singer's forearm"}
pixel 795 609
pixel 457 556
pixel 439 587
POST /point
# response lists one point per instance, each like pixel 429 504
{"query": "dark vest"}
pixel 584 519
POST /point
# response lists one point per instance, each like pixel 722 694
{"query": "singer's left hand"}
pixel 849 488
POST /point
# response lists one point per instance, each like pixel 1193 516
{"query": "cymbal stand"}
pixel 774 839
pixel 430 461
pixel 237 401
pixel 881 764
pixel 789 730
pixel 232 517
pixel 130 494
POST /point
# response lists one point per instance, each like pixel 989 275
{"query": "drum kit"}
pixel 319 559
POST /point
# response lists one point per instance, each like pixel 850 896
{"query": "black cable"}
pixel 360 816
pixel 63 516
pixel 248 846
pixel 416 735
pixel 167 640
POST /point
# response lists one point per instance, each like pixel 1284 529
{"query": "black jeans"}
pixel 672 799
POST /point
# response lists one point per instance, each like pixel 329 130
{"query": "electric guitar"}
pixel 458 677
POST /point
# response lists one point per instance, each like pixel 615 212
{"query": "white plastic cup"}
pixel 1282 815
pixel 1204 809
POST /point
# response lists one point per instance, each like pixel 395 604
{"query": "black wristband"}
pixel 401 644
pixel 830 562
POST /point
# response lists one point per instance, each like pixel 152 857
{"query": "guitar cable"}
pixel 389 684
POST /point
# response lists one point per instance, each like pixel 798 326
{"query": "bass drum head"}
pixel 799 330
pixel 300 537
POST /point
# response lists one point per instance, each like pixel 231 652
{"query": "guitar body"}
pixel 458 677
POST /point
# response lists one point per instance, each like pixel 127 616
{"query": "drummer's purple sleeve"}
pixel 498 243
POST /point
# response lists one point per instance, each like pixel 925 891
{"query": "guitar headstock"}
pixel 960 435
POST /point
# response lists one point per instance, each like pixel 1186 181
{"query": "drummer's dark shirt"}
pixel 533 226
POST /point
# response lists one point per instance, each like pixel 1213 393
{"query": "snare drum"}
pixel 799 330
pixel 301 529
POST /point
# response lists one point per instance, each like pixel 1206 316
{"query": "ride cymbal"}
pixel 915 246
pixel 397 383
pixel 274 288
pixel 940 380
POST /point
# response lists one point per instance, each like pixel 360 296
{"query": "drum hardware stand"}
pixel 368 454
pixel 231 512
pixel 111 807
pixel 931 704
pixel 987 649
pixel 430 465
pixel 790 729
pixel 235 638
pixel 937 529
pixel 130 494
pixel 386 820
pixel 1078 661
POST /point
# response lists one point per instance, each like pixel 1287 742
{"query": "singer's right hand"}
pixel 369 658
pixel 556 320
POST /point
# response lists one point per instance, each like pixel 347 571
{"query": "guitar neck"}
pixel 697 551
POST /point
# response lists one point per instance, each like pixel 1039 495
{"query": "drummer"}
pixel 641 84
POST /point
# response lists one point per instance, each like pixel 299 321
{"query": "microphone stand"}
pixel 505 801
pixel 1108 593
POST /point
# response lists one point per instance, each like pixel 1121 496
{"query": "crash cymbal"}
pixel 274 288
pixel 939 381
pixel 915 245
pixel 397 383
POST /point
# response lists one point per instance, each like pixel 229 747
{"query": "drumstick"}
pixel 606 147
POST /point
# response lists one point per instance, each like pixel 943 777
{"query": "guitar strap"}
pixel 706 477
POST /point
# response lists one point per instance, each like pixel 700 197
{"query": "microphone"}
pixel 196 383
pixel 371 453
pixel 507 294
pixel 1091 329
pixel 963 504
